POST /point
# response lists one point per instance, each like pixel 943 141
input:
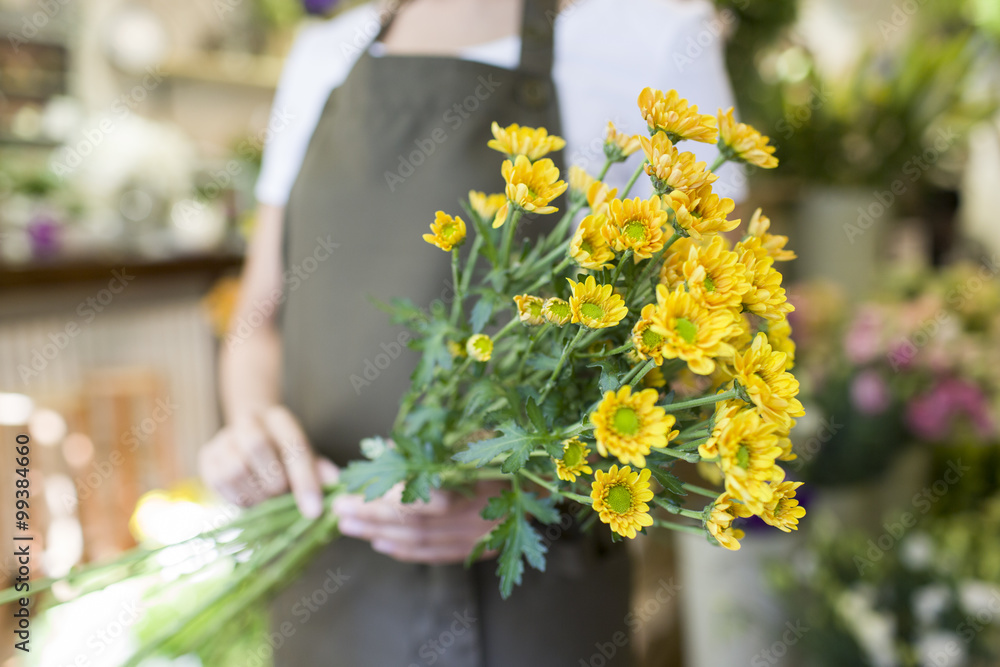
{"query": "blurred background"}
pixel 130 138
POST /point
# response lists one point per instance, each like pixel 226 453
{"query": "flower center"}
pixel 619 499
pixel 709 284
pixel 591 311
pixel 635 231
pixel 687 329
pixel 651 339
pixel 586 247
pixel 743 457
pixel 448 231
pixel 572 456
pixel 626 421
pixel 560 309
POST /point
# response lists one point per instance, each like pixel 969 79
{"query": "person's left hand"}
pixel 443 531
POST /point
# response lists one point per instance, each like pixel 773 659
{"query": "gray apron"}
pixel 401 138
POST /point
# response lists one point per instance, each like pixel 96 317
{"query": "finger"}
pixel 437 555
pixel 329 473
pixel 298 457
pixel 261 458
pixel 466 533
pixel 223 469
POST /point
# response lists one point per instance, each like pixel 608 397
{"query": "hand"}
pixel 254 460
pixel 443 531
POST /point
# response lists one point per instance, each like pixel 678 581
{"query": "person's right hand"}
pixel 252 460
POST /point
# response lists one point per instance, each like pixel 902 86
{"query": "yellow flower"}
pixel 588 247
pixel 529 309
pixel 720 523
pixel 580 181
pixel 448 232
pixel 636 225
pixel 714 275
pixel 672 170
pixel 557 311
pixel 532 143
pixel 743 143
pixel 747 448
pixel 574 460
pixel 627 425
pixel 618 145
pixel 596 306
pixel 773 244
pixel 761 372
pixel 598 197
pixel 779 335
pixel 700 212
pixel 766 297
pixel 479 347
pixel 486 206
pixel 784 511
pixel 690 331
pixel 530 186
pixel 646 342
pixel 671 273
pixel 619 498
pixel 669 113
pixel 456 349
pixel 654 379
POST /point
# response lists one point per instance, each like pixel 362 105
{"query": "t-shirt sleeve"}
pixel 697 58
pixel 320 59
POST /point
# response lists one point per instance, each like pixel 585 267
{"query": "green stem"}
pixel 627 255
pixel 470 264
pixel 506 329
pixel 604 170
pixel 704 400
pixel 600 355
pixel 708 493
pixel 633 179
pixel 637 373
pixel 531 346
pixel 719 161
pixel 483 234
pixel 551 488
pixel 562 361
pixel 510 226
pixel 694 530
pixel 684 456
pixel 456 304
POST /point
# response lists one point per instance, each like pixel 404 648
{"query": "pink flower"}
pixel 932 415
pixel 863 341
pixel 869 393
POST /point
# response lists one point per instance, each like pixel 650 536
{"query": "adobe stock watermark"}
pixel 451 121
pixel 68 159
pixel 293 278
pixel 914 169
pixel 432 650
pixel 788 125
pixel 807 451
pixel 952 652
pixel 87 311
pixel 712 32
pixel 923 501
pixel 640 614
pixel 32 24
pixel 904 349
pixel 901 14
pixel 773 654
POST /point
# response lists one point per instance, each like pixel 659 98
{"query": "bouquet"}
pixel 580 368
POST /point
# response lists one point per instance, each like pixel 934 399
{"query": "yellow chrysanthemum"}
pixel 743 143
pixel 486 206
pixel 766 297
pixel 672 170
pixel 761 372
pixel 447 232
pixel 596 306
pixel 620 497
pixel 627 425
pixel 557 311
pixel 647 343
pixel 654 379
pixel 531 186
pixel 588 247
pixel 773 244
pixel 574 460
pixel 618 145
pixel 779 335
pixel 456 350
pixel 691 331
pixel 784 511
pixel 747 448
pixel 714 275
pixel 669 113
pixel 700 212
pixel 636 225
pixel 671 272
pixel 529 309
pixel 580 182
pixel 599 195
pixel 480 347
pixel 530 142
pixel 720 522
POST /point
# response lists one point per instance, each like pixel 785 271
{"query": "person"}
pixel 382 117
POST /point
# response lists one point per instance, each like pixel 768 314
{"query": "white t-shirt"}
pixel 606 51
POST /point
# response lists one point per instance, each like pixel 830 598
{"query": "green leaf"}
pixel 542 509
pixel 514 442
pixel 376 477
pixel 419 487
pixel 520 542
pixel 667 480
pixel 535 415
pixel 610 375
pixel 481 313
